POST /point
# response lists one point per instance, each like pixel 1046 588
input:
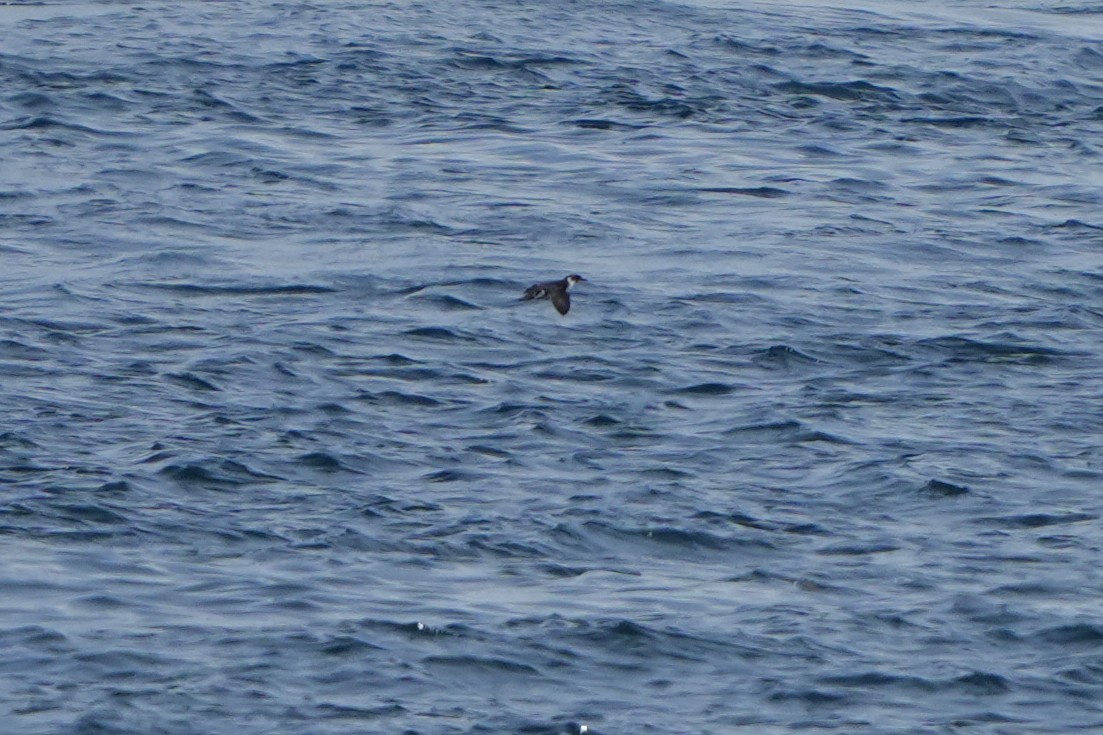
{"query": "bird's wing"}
pixel 561 301
pixel 533 292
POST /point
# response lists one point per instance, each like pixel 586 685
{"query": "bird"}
pixel 556 291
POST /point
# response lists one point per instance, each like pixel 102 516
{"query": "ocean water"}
pixel 817 448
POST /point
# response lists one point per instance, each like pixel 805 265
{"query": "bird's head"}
pixel 573 279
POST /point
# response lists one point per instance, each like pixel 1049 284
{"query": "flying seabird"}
pixel 556 291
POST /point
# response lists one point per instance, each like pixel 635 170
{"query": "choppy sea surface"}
pixel 818 448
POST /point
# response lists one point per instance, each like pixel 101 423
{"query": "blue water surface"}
pixel 817 448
